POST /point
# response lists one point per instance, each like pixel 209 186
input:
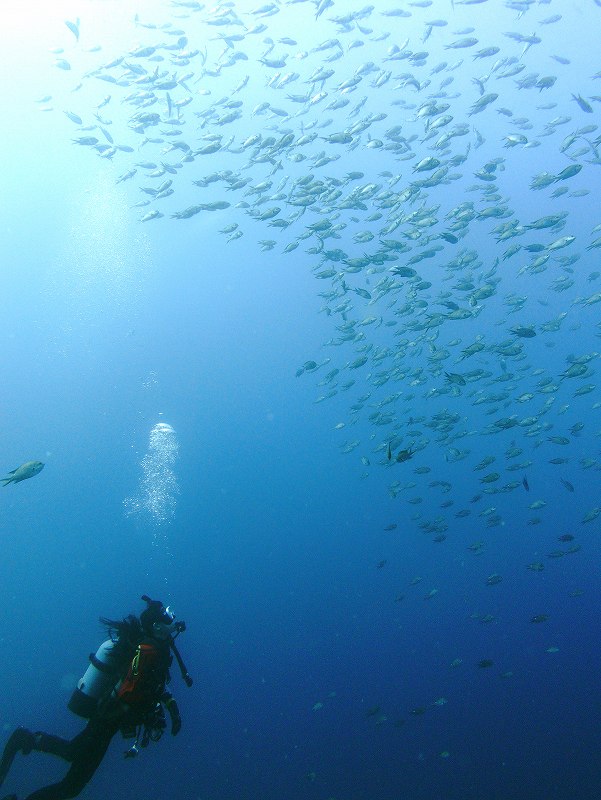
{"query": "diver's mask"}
pixel 166 626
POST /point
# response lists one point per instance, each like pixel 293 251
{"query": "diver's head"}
pixel 158 620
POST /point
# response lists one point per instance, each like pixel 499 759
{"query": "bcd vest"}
pixel 145 680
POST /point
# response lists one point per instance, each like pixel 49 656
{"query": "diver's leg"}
pixel 20 739
pixel 48 743
pixel 85 752
pixel 68 749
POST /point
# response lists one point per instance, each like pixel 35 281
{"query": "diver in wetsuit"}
pixel 122 690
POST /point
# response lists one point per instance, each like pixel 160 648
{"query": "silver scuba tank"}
pixel 99 678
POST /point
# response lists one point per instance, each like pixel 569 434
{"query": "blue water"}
pixel 319 642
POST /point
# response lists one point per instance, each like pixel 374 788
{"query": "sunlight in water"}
pixel 106 263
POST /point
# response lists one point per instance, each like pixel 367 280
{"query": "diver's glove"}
pixel 176 720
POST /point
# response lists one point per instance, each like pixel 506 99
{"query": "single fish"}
pixel 73 27
pixel 26 470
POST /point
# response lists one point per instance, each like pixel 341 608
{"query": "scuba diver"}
pixel 123 689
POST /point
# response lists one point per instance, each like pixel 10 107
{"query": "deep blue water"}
pixel 319 642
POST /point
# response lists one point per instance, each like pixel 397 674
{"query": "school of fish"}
pixel 433 191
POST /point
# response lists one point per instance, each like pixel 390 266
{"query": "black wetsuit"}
pixel 86 750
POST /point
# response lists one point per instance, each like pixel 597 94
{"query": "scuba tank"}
pixel 99 678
